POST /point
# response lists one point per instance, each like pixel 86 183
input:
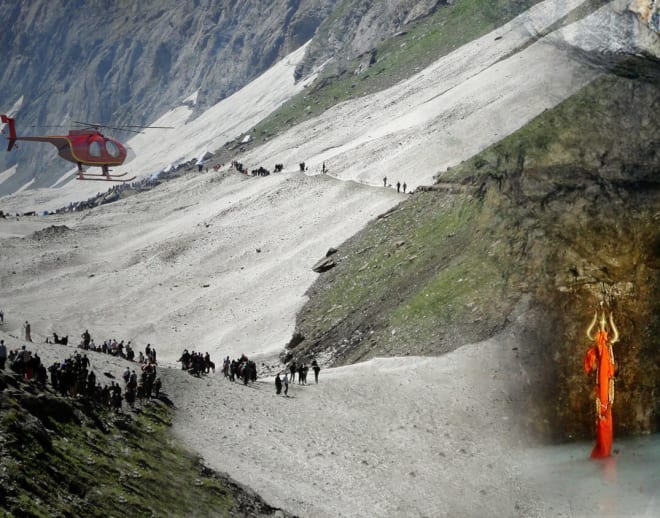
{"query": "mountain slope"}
pixel 493 273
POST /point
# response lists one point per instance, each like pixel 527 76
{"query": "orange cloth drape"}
pixel 599 356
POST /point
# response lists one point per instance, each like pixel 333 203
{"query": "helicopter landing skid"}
pixel 103 174
pixel 106 178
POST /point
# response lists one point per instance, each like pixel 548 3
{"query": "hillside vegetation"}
pixel 68 457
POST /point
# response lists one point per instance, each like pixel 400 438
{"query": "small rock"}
pixel 324 265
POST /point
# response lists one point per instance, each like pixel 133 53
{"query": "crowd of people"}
pixel 259 171
pixel 245 370
pixel 118 190
pixel 145 385
pixel 242 368
pixel 112 347
pixel 196 363
pixel 73 377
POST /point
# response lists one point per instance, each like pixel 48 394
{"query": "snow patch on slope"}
pixel 7 174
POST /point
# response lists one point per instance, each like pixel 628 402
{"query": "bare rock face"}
pixel 356 27
pixel 648 11
pixel 616 32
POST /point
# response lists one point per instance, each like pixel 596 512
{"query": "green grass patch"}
pixel 458 295
pixel 127 467
pixel 418 244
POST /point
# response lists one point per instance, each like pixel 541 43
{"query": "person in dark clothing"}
pixel 3 354
pixel 292 370
pixel 27 331
pixel 398 186
pixel 91 383
pixel 278 384
pixel 285 381
pixel 316 368
pixel 86 339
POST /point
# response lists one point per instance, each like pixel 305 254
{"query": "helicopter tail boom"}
pixel 12 130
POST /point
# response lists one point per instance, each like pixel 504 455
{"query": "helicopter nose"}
pixel 130 154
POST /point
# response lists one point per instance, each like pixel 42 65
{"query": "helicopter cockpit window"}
pixel 95 149
pixel 112 148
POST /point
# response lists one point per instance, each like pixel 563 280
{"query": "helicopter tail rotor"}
pixel 12 130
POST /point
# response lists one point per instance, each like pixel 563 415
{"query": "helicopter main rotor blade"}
pixel 145 127
pixel 122 127
pixel 47 126
pixel 91 125
pixel 118 128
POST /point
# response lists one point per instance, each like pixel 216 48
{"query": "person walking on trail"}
pixel 3 354
pixel 384 181
pixel 86 339
pixel 404 186
pixel 27 330
pixel 285 381
pixel 398 186
pixel 316 368
pixel 278 384
pixel 292 369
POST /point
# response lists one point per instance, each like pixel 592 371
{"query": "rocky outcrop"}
pixel 648 11
pixel 615 34
pixel 355 28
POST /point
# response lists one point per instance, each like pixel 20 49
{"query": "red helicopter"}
pixel 86 146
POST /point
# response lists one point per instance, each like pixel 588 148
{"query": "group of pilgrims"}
pixel 114 348
pixel 245 370
pixel 282 383
pixel 197 364
pixel 74 378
